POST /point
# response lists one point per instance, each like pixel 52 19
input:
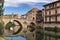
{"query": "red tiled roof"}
pixel 51 3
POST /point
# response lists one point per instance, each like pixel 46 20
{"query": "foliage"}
pixel 1 28
pixel 9 24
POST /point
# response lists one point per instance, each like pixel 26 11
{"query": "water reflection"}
pixel 15 38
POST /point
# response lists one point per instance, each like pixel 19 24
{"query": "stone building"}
pixel 31 15
pixel 35 16
pixel 39 18
pixel 51 13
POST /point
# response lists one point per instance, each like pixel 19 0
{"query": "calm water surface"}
pixel 15 38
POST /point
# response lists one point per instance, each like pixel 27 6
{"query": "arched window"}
pixel 33 18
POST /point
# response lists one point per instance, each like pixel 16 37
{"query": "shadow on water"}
pixel 15 38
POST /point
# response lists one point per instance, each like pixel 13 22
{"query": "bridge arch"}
pixel 13 23
pixel 20 28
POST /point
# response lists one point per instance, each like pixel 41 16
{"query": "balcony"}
pixel 52 15
pixel 52 8
pixel 39 20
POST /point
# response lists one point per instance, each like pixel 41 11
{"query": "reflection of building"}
pixel 1 6
pixel 52 13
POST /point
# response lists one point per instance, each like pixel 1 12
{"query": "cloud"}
pixel 15 3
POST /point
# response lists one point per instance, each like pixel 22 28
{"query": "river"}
pixel 15 38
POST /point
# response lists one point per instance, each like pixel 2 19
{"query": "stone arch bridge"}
pixel 23 23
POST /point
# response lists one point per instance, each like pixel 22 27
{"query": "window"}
pixel 56 11
pixel 55 4
pixel 50 12
pixel 56 19
pixel 49 19
pixel 45 19
pixel 46 13
pixel 24 17
pixel 50 6
pixel 33 18
pixel 45 7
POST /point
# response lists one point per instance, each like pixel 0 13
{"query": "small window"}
pixel 55 4
pixel 49 12
pixel 45 18
pixel 33 18
pixel 46 13
pixel 55 11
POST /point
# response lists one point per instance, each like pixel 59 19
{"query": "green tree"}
pixel 1 29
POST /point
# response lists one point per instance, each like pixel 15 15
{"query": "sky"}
pixel 23 6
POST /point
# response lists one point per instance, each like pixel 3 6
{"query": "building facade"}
pixel 51 13
pixel 34 15
pixel 31 15
pixel 35 18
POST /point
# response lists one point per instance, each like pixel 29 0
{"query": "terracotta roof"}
pixel 51 3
